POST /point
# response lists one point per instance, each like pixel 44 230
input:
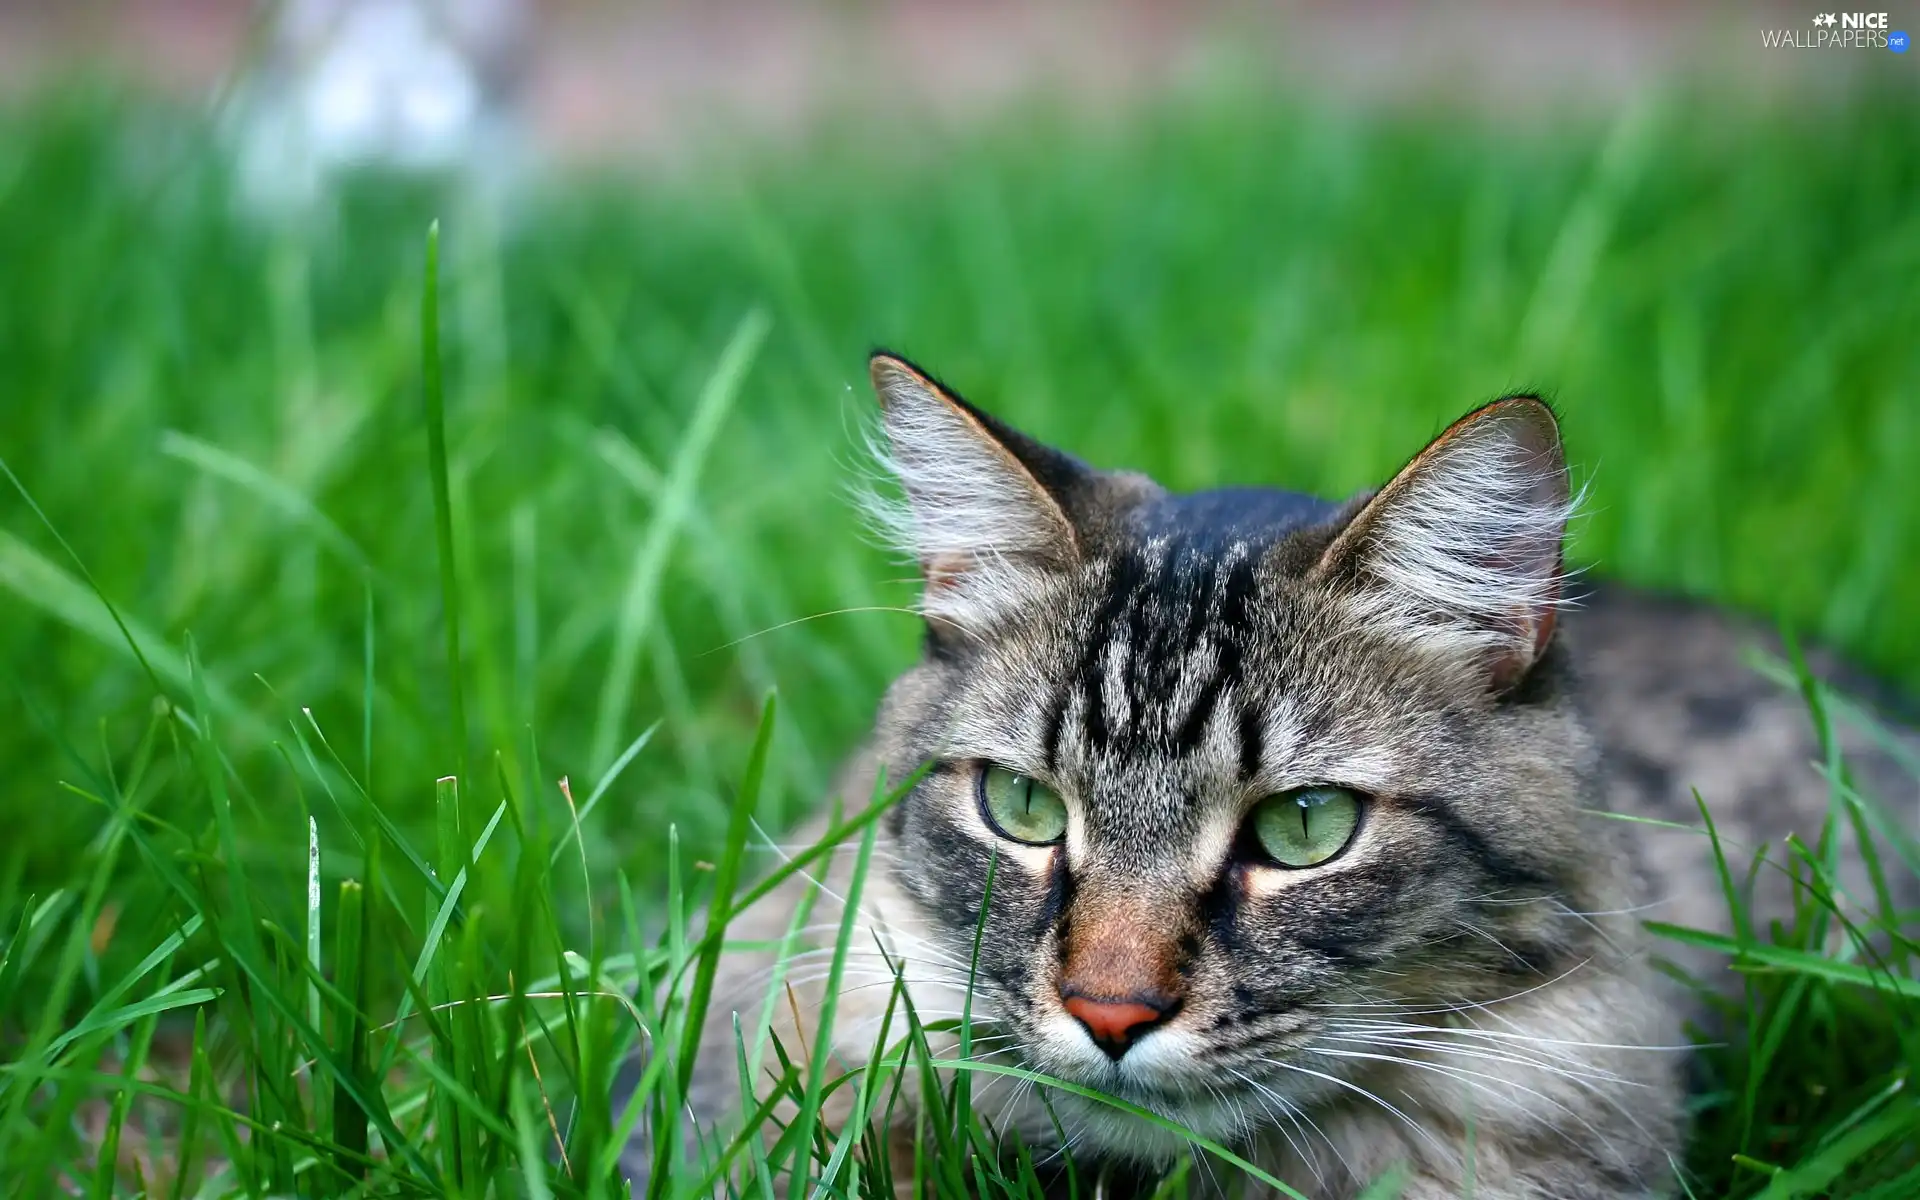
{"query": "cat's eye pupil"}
pixel 1021 808
pixel 1327 818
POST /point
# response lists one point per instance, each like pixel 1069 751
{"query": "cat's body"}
pixel 1462 988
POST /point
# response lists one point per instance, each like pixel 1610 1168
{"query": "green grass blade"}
pixel 530 1141
pixel 263 486
pixel 349 1122
pixel 720 910
pixel 638 605
pixel 437 928
pixel 1762 955
pixel 385 824
pixel 963 1083
pixel 187 1143
pixel 600 789
pixel 816 1083
pixel 433 393
pixel 127 1014
pixel 1126 1106
pixel 14 554
pixel 42 584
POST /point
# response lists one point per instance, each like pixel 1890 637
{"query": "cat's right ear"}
pixel 1461 551
pixel 983 515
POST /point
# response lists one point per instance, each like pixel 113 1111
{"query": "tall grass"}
pixel 299 547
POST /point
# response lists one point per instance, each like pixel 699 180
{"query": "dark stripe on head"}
pixel 1128 576
pixel 1253 742
pixel 1056 717
pixel 1059 897
pixel 1228 627
pixel 1219 909
pixel 1206 585
pixel 1145 632
pixel 1166 611
pixel 1501 868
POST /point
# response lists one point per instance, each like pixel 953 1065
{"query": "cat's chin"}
pixel 1170 1074
pixel 1165 1074
pixel 1102 1131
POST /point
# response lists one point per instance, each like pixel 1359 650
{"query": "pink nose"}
pixel 1114 1023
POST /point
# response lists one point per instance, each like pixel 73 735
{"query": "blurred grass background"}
pixel 224 418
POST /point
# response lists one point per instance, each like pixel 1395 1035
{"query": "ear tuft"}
pixel 984 529
pixel 1461 552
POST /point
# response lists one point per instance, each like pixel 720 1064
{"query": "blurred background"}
pixel 1221 243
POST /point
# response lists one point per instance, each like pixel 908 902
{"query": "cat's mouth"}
pixel 1170 1071
pixel 1175 1074
pixel 1220 1111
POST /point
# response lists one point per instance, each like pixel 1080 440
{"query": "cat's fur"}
pixel 1465 992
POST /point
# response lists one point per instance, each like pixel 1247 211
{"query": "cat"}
pixel 1293 812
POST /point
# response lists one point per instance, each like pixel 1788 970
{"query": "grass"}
pixel 249 946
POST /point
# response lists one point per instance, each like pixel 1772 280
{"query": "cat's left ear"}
pixel 1461 551
pixel 984 514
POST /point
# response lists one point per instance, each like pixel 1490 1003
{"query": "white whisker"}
pixel 1409 1122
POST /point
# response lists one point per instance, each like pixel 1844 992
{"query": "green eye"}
pixel 1020 809
pixel 1307 826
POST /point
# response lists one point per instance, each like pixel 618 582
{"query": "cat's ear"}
pixel 1461 551
pixel 983 514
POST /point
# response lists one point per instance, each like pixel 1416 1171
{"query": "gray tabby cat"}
pixel 1290 810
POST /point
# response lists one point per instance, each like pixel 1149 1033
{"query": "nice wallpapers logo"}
pixel 1839 31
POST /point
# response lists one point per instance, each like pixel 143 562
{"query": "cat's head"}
pixel 1243 764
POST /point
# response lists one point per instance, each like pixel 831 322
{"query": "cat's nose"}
pixel 1117 1024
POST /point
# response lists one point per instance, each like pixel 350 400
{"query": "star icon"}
pixel 1827 19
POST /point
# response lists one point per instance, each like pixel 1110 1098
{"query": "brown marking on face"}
pixel 1123 949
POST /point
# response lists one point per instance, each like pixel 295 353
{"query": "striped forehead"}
pixel 1160 658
